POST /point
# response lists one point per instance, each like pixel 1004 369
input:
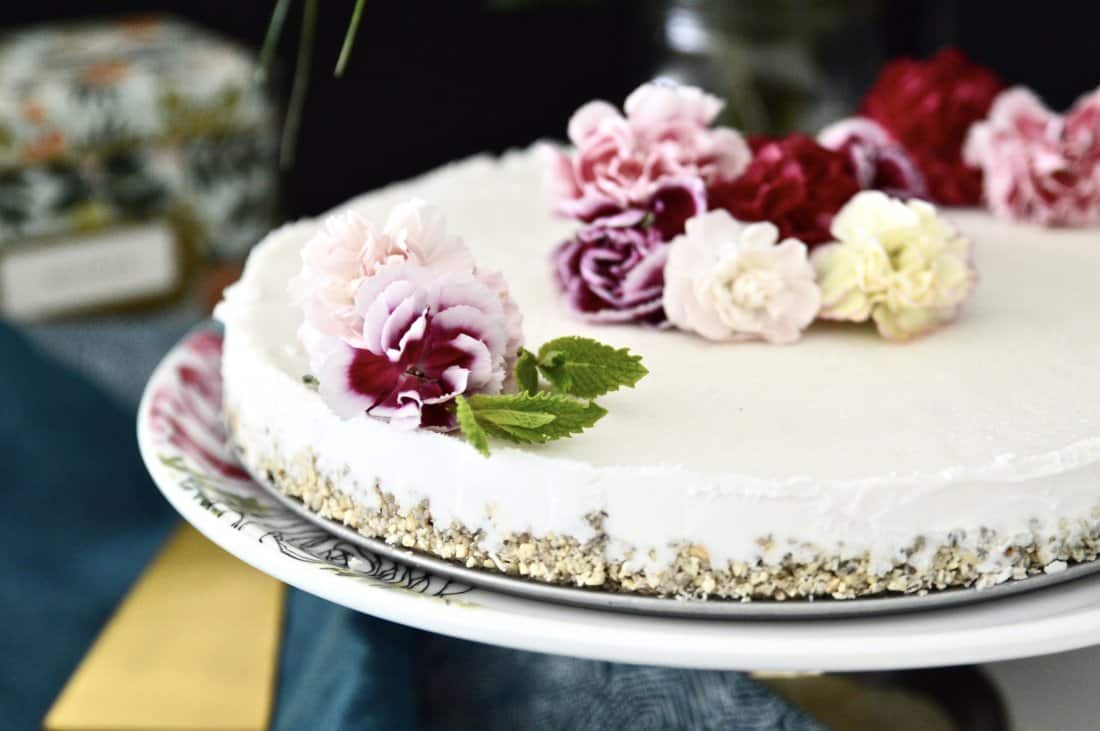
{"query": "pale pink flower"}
pixel 334 261
pixel 348 248
pixel 1040 166
pixel 727 280
pixel 654 105
pixel 420 231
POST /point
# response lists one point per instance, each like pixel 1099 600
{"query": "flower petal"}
pixel 353 380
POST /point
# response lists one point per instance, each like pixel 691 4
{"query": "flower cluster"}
pixel 686 225
pixel 636 178
pixel 399 321
pixel 946 130
pixel 648 185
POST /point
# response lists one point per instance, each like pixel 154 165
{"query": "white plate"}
pixel 182 442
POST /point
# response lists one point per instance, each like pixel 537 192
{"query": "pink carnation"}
pixel 621 161
pixel 878 160
pixel 1040 166
pixel 427 337
pixel 399 321
pixel 348 248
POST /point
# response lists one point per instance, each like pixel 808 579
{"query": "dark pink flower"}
pixel 613 270
pixel 792 182
pixel 928 106
pixel 1040 166
pixel 878 160
pixel 428 336
pixel 669 208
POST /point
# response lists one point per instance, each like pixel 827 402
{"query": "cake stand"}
pixel 182 441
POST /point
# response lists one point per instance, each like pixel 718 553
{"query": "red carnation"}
pixel 793 182
pixel 929 106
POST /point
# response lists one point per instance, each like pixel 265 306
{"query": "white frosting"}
pixel 843 440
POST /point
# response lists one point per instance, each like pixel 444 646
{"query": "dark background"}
pixel 432 81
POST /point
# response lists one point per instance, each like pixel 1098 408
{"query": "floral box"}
pixel 144 125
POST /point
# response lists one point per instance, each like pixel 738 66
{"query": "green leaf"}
pixel 533 418
pixel 586 368
pixel 467 422
pixel 510 417
pixel 526 371
pixel 516 434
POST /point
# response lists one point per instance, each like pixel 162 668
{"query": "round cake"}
pixel 842 465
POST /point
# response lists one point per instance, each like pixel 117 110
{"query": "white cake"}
pixel 842 465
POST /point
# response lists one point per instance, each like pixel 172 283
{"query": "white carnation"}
pixel 727 280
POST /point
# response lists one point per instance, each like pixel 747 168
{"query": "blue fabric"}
pixel 81 519
pixel 344 670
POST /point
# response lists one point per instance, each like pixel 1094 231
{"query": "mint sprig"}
pixel 577 370
pixel 585 368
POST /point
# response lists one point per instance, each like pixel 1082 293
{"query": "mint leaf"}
pixel 533 418
pixel 526 371
pixel 511 417
pixel 586 368
pixel 467 422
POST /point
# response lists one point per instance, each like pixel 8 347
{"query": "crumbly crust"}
pixel 564 560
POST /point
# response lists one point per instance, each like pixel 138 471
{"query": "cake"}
pixel 811 381
pixel 838 466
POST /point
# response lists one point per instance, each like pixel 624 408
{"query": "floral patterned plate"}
pixel 183 443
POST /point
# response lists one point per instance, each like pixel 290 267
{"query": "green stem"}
pixel 301 84
pixel 271 38
pixel 349 37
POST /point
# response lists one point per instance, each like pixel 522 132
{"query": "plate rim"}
pixel 1066 617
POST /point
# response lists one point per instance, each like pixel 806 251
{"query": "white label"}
pixel 107 267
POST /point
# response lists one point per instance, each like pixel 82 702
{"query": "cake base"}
pixel 563 560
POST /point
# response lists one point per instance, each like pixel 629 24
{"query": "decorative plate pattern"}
pixel 182 440
pixel 183 413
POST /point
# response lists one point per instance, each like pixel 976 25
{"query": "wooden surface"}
pixel 194 645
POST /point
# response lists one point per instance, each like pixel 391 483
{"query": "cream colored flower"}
pixel 727 280
pixel 895 262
